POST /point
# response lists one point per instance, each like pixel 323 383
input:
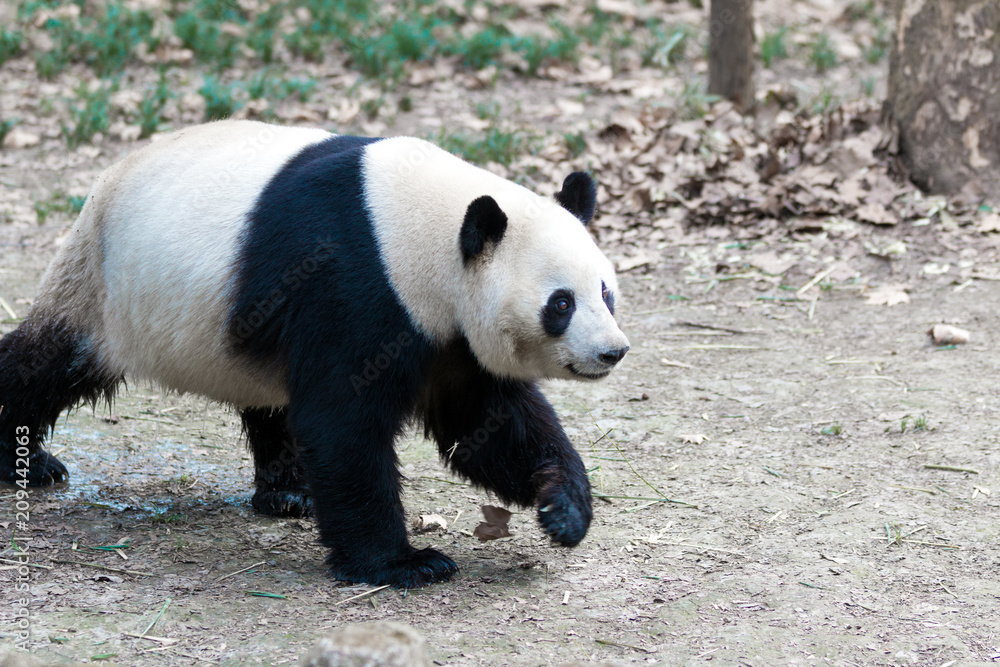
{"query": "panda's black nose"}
pixel 612 357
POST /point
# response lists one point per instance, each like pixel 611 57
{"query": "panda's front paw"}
pixel 293 503
pixel 415 569
pixel 43 469
pixel 564 505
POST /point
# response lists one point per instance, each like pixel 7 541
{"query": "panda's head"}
pixel 539 296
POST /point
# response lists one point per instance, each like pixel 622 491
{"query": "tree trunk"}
pixel 730 52
pixel 944 94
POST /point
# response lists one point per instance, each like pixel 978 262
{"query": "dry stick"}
pixel 189 655
pixel 913 488
pixel 704 547
pixel 15 562
pixel 606 642
pixel 930 544
pixel 707 346
pixel 946 590
pixel 602 496
pixel 361 595
pixel 161 640
pixel 103 567
pixel 933 466
pixel 697 325
pixel 818 277
pixel 153 622
pixel 233 574
pixel 6 307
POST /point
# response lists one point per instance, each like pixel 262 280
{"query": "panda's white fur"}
pixel 167 221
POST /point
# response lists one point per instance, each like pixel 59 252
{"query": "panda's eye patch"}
pixel 557 312
pixel 608 297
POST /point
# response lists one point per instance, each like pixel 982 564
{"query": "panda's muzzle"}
pixel 609 359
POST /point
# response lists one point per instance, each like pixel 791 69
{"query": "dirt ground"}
pixel 795 546
pixel 833 475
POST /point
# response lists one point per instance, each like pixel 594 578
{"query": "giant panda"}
pixel 331 288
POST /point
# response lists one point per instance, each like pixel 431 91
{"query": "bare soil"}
pixel 833 476
pixel 794 547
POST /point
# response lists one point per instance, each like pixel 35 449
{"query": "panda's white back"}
pixel 168 219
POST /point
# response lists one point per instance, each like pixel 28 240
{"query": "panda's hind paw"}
pixel 416 569
pixel 43 469
pixel 284 503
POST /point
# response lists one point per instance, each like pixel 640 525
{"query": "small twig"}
pixel 719 346
pixel 946 590
pixel 818 277
pixel 913 488
pixel 361 595
pixel 162 640
pixel 102 567
pixel 933 466
pixel 233 574
pixel 8 309
pixel 607 642
pixel 704 547
pixel 603 496
pixel 153 622
pixel 930 544
pixel 712 327
pixel 17 562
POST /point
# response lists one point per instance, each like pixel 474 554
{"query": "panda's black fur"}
pixel 311 302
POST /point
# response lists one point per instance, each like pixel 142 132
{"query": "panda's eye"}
pixel 558 311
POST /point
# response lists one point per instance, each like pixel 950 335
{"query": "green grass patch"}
pixel 821 53
pixel 206 39
pixel 576 144
pixel 88 114
pixel 151 107
pixel 59 202
pixel 495 145
pixel 773 47
pixel 877 50
pixel 220 98
pixel 10 44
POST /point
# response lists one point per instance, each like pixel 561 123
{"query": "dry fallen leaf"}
pixel 428 522
pixel 771 264
pixel 945 334
pixel 888 295
pixel 694 438
pixel 876 214
pixel 495 525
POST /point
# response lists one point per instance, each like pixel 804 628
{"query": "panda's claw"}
pixel 416 569
pixel 283 503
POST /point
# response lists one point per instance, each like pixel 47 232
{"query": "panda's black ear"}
pixel 484 223
pixel 579 196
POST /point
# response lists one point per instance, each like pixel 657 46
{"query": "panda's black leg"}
pixel 346 448
pixel 45 368
pixel 280 485
pixel 504 436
